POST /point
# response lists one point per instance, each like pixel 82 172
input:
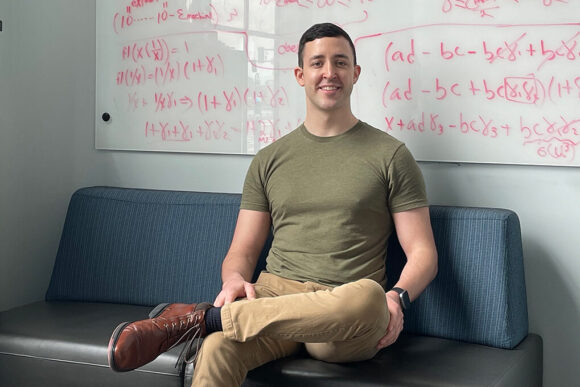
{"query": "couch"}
pixel 123 251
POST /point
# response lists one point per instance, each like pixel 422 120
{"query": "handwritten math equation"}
pixel 550 137
pixel 514 71
pixel 565 49
pixel 518 90
pixel 161 11
pixel 199 73
pixel 487 8
pixel 224 101
pixel 266 130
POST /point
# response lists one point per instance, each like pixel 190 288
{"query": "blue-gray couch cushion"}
pixel 142 247
pixel 479 294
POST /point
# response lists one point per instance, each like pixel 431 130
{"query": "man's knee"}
pixel 361 306
pixel 366 297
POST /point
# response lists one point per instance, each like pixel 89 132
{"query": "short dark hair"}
pixel 322 30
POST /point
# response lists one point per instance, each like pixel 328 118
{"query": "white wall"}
pixel 47 66
pixel 41 107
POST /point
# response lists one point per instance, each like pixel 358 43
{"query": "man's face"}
pixel 328 74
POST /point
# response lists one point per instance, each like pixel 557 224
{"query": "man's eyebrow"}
pixel 337 56
pixel 342 56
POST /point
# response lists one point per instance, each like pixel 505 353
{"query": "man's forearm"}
pixel 237 266
pixel 416 238
pixel 418 273
pixel 250 234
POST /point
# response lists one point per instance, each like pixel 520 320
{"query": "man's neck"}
pixel 328 125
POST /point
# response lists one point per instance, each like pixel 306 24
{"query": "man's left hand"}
pixel 396 321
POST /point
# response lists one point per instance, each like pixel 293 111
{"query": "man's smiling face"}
pixel 328 74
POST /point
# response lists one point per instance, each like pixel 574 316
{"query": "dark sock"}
pixel 213 319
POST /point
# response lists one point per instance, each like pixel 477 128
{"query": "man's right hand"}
pixel 233 289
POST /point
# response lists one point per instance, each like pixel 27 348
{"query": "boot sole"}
pixel 112 346
pixel 158 309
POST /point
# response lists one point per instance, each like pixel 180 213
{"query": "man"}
pixel 333 190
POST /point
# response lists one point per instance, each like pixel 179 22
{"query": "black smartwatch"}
pixel 403 298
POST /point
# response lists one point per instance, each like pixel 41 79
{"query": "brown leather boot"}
pixel 135 344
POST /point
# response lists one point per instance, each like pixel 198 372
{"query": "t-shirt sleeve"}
pixel 254 192
pixel 406 185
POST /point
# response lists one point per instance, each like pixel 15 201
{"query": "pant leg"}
pixel 345 323
pixel 225 363
pixel 222 362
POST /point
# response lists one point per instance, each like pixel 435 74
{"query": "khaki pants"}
pixel 335 324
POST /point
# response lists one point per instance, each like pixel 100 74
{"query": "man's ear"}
pixel 357 70
pixel 299 75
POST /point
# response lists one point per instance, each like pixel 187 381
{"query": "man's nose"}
pixel 329 70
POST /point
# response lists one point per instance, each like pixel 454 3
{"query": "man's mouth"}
pixel 329 88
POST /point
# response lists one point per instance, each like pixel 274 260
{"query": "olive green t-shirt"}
pixel 331 200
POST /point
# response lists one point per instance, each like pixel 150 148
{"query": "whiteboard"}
pixel 457 80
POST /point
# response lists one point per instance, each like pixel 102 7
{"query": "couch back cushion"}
pixel 145 247
pixel 479 294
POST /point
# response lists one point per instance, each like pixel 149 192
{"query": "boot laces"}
pixel 193 334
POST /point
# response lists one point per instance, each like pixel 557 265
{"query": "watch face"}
pixel 404 298
pixel 405 301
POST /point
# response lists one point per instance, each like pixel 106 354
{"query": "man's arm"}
pixel 416 238
pixel 251 231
